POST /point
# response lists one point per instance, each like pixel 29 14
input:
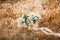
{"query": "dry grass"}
pixel 9 12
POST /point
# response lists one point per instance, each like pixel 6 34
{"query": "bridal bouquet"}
pixel 28 20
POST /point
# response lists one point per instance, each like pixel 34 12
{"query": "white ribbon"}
pixel 47 31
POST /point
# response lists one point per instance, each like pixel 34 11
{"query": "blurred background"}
pixel 10 10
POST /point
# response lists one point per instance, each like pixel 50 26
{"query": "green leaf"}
pixel 26 18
